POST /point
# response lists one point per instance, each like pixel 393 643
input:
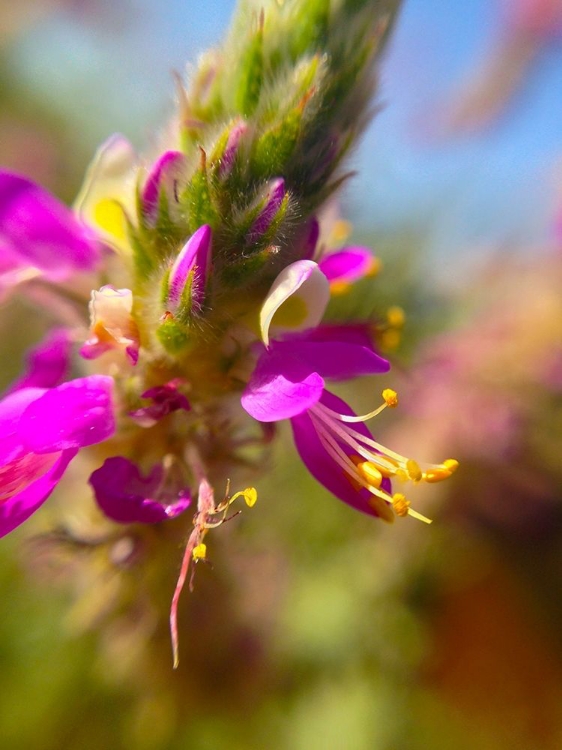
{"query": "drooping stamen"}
pixel 195 549
pixel 390 399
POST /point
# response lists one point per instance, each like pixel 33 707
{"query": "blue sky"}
pixel 491 188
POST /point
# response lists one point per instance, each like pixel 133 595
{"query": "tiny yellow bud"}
pixel 390 397
pixel 375 265
pixel 337 288
pixel 390 339
pixel 395 316
pixel 199 552
pixel 250 496
pixel 400 504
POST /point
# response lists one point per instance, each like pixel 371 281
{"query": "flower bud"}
pixel 275 202
pixel 189 274
pixel 161 183
pixel 112 324
pixel 231 148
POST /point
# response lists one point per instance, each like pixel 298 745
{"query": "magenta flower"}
pixel 39 236
pixel 125 496
pixel 42 430
pixel 288 382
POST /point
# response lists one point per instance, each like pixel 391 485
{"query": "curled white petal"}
pixel 299 297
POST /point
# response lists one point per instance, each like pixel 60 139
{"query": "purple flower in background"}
pixel 41 430
pixel 48 364
pixel 348 265
pixel 39 236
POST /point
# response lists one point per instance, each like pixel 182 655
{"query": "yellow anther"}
pixel 199 552
pixel 413 470
pixel 390 397
pixel 395 317
pixel 381 508
pixel 451 464
pixel 400 504
pixel 250 496
pixel 370 473
pixel 436 475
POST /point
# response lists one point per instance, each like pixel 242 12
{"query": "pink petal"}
pixel 349 264
pixel 333 359
pixel 38 232
pixel 11 409
pixel 71 416
pixel 280 387
pixel 18 508
pixel 125 496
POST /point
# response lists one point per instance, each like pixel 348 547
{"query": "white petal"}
pixel 300 295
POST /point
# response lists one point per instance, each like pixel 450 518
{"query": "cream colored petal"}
pixel 296 301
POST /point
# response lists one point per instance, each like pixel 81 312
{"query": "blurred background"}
pixel 318 628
